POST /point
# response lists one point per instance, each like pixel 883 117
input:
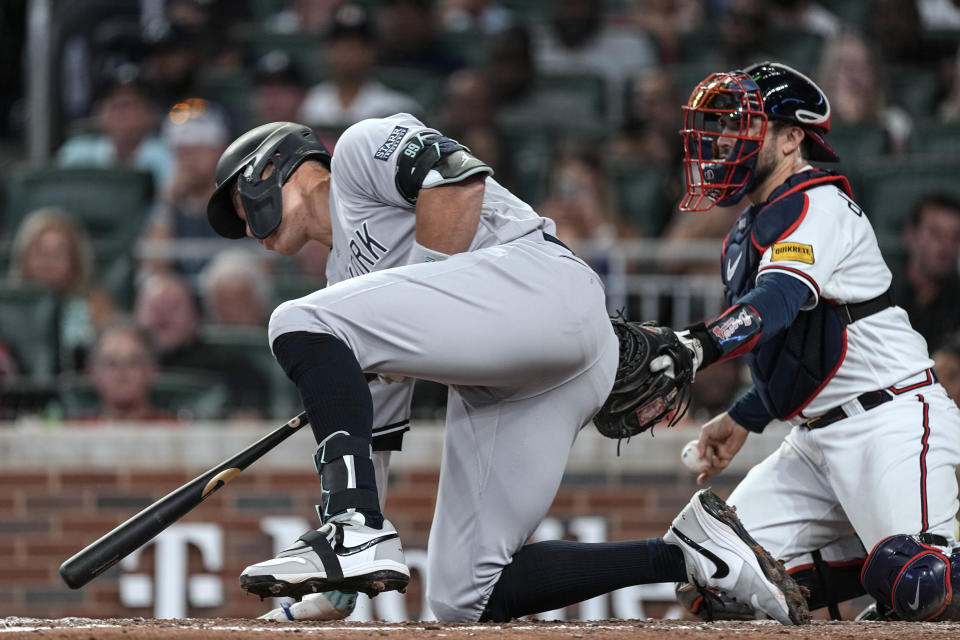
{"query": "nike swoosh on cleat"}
pixel 722 569
pixel 341 550
pixel 916 599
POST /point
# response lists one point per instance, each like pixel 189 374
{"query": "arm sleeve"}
pixel 778 299
pixel 749 412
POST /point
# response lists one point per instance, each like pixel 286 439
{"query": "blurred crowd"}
pixel 121 303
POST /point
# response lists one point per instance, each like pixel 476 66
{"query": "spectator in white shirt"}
pixel 351 93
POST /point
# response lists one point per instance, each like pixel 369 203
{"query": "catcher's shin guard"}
pixel 910 575
pixel 345 465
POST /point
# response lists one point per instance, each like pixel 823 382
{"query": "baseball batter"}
pixel 439 273
pixel 875 438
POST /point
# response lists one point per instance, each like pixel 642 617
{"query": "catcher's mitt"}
pixel 640 397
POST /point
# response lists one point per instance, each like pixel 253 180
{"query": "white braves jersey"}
pixel 373 225
pixel 834 252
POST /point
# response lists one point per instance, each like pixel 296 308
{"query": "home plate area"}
pixel 223 628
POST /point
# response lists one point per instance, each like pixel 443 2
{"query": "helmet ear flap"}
pixel 262 200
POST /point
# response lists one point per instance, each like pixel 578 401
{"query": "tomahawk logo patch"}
pixel 390 144
pixel 794 251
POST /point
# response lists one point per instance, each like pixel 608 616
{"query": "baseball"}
pixel 691 459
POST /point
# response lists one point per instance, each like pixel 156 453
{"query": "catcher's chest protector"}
pixel 790 368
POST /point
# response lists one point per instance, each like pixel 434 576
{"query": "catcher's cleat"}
pixel 344 555
pixel 329 605
pixel 711 606
pixel 877 612
pixel 721 555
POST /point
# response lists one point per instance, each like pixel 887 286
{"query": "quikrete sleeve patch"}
pixel 795 251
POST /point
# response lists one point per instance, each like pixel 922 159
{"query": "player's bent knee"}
pixel 447 610
pixel 451 597
pixel 911 577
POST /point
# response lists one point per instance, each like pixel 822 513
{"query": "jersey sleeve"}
pixel 749 411
pixel 810 249
pixel 365 159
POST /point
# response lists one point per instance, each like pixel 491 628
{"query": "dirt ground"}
pixel 224 628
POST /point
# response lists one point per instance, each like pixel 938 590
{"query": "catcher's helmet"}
pixel 738 105
pixel 285 145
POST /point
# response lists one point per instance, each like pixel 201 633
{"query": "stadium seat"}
pixel 890 187
pixel 689 75
pixel 422 86
pixel 855 144
pixel 232 91
pixel 30 326
pixel 112 203
pixel 912 87
pixel 929 135
pixel 530 153
pixel 187 396
pixel 795 47
pixel 639 189
pixel 305 48
pixel 263 9
pixel 115 269
pixel 586 88
pixel 852 12
pixel 252 344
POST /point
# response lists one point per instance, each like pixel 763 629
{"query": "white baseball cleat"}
pixel 344 554
pixel 721 555
pixel 329 605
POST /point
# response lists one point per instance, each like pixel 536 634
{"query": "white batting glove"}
pixel 329 605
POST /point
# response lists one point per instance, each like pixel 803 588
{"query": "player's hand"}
pixel 720 440
pixel 665 362
pixel 329 605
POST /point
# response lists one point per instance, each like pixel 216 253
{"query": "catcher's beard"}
pixel 765 166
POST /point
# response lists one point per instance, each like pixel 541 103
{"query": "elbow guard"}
pixel 734 333
pixel 424 153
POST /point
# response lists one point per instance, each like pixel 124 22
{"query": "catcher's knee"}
pixel 909 576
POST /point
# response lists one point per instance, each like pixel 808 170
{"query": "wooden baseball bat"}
pixel 102 554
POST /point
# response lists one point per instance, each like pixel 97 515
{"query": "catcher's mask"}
pixel 284 145
pixel 723 127
pixel 738 105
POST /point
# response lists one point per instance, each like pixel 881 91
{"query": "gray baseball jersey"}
pixel 516 327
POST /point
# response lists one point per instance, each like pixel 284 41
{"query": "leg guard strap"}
pixel 321 546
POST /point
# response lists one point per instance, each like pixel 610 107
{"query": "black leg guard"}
pixel 337 400
pixel 347 479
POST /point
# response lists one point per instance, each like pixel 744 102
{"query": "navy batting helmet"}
pixel 285 145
